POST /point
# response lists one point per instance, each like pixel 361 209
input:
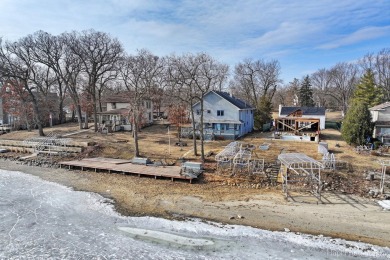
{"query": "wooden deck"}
pixel 126 167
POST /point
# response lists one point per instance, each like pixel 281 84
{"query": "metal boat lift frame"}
pixel 225 157
pixel 298 168
pixel 385 164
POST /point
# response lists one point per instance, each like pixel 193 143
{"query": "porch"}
pixel 114 120
pixel 212 131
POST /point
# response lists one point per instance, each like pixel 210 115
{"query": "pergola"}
pixel 300 170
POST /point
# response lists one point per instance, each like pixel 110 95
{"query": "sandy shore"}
pixel 343 216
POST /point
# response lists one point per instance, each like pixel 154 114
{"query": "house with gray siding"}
pixel 117 107
pixel 381 119
pixel 224 116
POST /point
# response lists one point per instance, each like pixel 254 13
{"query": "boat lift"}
pixel 300 170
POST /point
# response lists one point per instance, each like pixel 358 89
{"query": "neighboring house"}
pixel 300 118
pixel 381 119
pixel 224 116
pixel 118 110
pixel 49 111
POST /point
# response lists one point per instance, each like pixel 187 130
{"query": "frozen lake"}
pixel 44 220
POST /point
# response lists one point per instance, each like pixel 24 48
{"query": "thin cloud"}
pixel 285 34
pixel 290 31
pixel 361 35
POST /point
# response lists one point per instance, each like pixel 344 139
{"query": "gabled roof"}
pixel 235 101
pixel 121 97
pixel 230 98
pixel 380 106
pixel 117 98
pixel 312 111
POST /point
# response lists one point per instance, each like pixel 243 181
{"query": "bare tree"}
pixel 321 81
pixel 380 66
pixel 99 54
pixel 344 78
pixel 209 75
pixel 179 77
pixel 19 65
pixel 256 82
pixel 139 74
pixel 191 77
pixel 48 50
pixel 223 76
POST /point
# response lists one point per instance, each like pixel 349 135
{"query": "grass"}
pixel 156 144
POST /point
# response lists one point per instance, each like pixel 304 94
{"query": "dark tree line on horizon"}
pixel 83 67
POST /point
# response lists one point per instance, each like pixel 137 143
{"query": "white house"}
pixel 381 119
pixel 224 116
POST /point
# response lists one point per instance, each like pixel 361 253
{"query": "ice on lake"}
pixel 44 220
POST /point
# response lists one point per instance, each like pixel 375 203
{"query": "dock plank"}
pixel 115 165
pixel 107 160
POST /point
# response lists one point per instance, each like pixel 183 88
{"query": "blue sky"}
pixel 303 35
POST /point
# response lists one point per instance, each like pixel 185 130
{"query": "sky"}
pixel 302 35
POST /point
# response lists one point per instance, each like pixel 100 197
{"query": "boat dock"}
pixel 126 167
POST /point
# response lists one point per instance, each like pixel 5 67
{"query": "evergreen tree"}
pixel 263 114
pixel 367 91
pixel 357 124
pixel 306 93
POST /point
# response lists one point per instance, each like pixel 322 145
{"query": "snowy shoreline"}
pixel 51 213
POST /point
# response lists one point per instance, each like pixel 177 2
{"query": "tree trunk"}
pixel 38 119
pixel 79 116
pixel 95 121
pixel 86 121
pixel 193 132
pixel 61 114
pixel 201 132
pixel 179 132
pixel 135 133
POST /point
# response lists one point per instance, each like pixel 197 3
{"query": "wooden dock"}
pixel 126 167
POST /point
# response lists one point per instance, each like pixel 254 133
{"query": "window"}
pixel 220 112
pixel 150 116
pixel 198 112
pixel 208 111
pixel 113 105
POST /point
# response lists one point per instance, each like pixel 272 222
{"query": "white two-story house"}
pixel 224 116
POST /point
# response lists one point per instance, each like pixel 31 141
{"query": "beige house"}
pixel 117 114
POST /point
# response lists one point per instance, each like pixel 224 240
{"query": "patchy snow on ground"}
pixel 385 204
pixel 42 220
